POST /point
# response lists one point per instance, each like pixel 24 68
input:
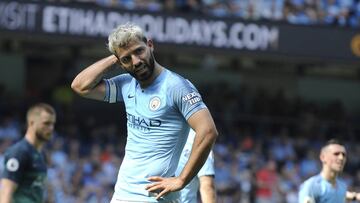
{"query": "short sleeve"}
pixel 306 193
pixel 208 167
pixel 187 98
pixel 14 165
pixel 113 88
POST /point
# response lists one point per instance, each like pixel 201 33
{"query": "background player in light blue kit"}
pixel 204 181
pixel 161 106
pixel 327 187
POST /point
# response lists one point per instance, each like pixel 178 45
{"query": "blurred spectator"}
pixel 266 183
pixel 332 12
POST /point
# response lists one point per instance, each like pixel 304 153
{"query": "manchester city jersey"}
pixel 189 192
pixel 157 130
pixel 318 190
pixel 26 166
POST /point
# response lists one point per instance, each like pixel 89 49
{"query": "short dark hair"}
pixel 331 142
pixel 38 108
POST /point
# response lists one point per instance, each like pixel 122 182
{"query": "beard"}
pixel 42 136
pixel 145 70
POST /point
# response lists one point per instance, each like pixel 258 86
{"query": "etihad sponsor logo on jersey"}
pixel 140 123
pixel 192 98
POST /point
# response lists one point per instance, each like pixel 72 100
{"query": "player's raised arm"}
pixel 88 83
pixel 7 189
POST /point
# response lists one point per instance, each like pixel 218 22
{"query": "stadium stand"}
pixel 259 141
pixel 266 136
pixel 306 12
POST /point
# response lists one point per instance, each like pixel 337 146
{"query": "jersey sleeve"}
pixel 187 98
pixel 208 167
pixel 14 165
pixel 307 193
pixel 113 88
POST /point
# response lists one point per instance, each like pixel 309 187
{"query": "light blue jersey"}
pixel 189 192
pixel 318 190
pixel 157 130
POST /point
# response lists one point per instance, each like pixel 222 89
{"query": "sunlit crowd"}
pixel 268 145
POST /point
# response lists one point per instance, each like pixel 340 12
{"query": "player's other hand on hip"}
pixel 163 186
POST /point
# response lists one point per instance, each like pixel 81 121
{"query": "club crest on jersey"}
pixel 12 165
pixel 155 103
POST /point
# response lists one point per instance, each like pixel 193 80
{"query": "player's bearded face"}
pixel 44 126
pixel 137 59
pixel 144 69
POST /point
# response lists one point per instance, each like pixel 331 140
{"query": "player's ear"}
pixel 150 44
pixel 322 158
pixel 31 122
pixel 118 60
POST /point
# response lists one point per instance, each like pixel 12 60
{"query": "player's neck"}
pixel 157 70
pixel 31 138
pixel 329 175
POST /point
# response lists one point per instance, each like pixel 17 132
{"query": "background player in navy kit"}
pixel 23 180
pixel 161 106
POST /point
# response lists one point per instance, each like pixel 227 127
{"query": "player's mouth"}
pixel 141 69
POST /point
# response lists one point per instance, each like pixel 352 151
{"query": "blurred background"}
pixel 279 76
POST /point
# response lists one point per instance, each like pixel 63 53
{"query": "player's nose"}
pixel 135 60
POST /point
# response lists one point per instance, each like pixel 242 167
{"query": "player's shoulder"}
pixel 19 148
pixel 123 77
pixel 175 79
pixel 341 183
pixel 312 182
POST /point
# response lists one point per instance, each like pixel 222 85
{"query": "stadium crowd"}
pixel 345 13
pixel 268 144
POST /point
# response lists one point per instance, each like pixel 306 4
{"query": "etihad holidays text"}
pixel 94 22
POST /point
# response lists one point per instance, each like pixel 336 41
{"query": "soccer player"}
pixel 203 182
pixel 161 106
pixel 327 187
pixel 23 179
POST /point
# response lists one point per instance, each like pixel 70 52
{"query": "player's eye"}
pixel 338 153
pixel 125 59
pixel 139 51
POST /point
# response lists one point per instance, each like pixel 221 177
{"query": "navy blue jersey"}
pixel 26 166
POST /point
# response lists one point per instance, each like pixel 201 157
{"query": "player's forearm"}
pixel 207 189
pixel 201 148
pixel 5 198
pixel 208 196
pixel 6 191
pixel 87 79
